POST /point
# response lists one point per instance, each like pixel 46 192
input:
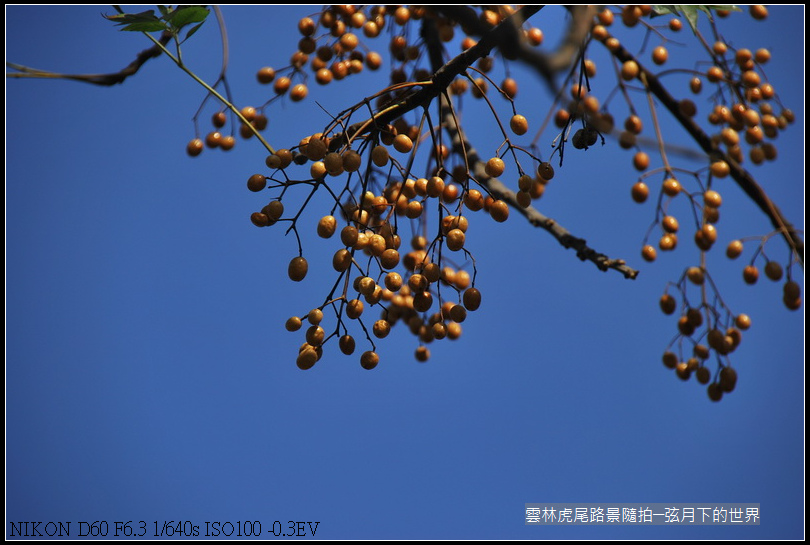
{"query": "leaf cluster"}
pixel 171 20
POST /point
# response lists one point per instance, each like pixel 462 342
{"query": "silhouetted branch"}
pixel 95 79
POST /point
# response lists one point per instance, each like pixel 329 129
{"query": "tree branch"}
pixel 547 65
pixel 95 79
pixel 442 77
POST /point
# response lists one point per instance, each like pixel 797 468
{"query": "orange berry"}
pixel 629 70
pixel 499 211
pixel 734 249
pixel 519 124
pixel 641 160
pixel 495 167
pixel 299 92
pixel 660 55
pixel 403 143
pixel 195 147
pixel 266 75
pixel 671 187
pixel 750 274
pixel 720 169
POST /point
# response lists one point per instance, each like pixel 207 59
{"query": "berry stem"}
pixel 213 91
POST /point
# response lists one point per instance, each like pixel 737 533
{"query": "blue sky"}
pixel 149 376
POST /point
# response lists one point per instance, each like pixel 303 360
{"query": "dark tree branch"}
pixel 95 79
pixel 442 77
pixel 547 65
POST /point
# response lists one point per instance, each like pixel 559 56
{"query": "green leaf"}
pixel 186 15
pixel 146 21
pixel 194 29
pixel 146 27
pixel 127 18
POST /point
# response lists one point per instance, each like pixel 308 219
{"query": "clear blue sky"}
pixel 149 376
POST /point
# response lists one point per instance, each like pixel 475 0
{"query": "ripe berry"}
pixel 660 55
pixel 519 124
pixel 499 211
pixel 715 392
pixel 266 75
pixel 495 167
pixel 667 303
pixel 260 122
pixel 670 224
pixel 728 379
pixel 455 240
pixel 695 275
pixel 381 329
pixel 369 360
pixel 299 92
pixel 293 323
pixel 306 26
pixel 641 160
pixel 758 12
pixel 474 200
pixel 403 143
pixel 510 87
pixel 545 171
pixel 734 249
pixel 714 74
pixel 472 299
pixel 671 187
pixel 227 143
pixel 750 274
pixel 346 344
pixel 773 270
pixel 281 85
pixel 257 182
pixel 249 113
pixel 792 304
pixel 195 147
pixel 307 358
pixel 648 253
pixel 630 70
pixel 297 270
pixel 260 220
pixel 640 192
pixel 720 169
pixel 342 260
pixel 422 354
pixel 791 290
pixel 743 321
pixel 219 119
pixel 389 259
pixel 668 242
pixel 315 335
